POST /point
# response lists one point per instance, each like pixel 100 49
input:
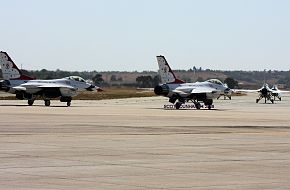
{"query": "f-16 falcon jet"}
pixel 181 92
pixel 266 93
pixel 27 88
pixel 276 93
pixel 227 93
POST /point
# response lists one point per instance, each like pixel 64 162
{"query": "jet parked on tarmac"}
pixel 27 88
pixel 180 91
pixel 266 93
pixel 227 93
pixel 276 93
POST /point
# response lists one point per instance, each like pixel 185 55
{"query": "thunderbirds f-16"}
pixel 227 93
pixel 27 88
pixel 180 92
pixel 276 93
pixel 266 93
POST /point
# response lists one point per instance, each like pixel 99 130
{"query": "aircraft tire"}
pixel 177 105
pixel 68 104
pixel 30 102
pixel 197 106
pixel 47 102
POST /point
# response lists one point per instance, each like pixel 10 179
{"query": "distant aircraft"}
pixel 227 93
pixel 27 88
pixel 180 91
pixel 266 93
pixel 277 93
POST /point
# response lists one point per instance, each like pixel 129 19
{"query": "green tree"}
pixel 145 81
pixel 113 78
pixel 98 79
pixel 231 82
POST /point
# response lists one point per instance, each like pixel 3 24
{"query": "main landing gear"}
pixel 178 105
pixel 66 99
pixel 271 100
pixel 47 102
pixel 30 102
pixel 31 99
pixel 207 103
pixel 197 105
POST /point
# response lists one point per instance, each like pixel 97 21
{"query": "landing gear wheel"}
pixel 257 100
pixel 177 105
pixel 280 98
pixel 197 105
pixel 30 102
pixel 208 103
pixel 68 104
pixel 47 102
pixel 265 100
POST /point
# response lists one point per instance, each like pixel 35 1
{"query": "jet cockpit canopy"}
pixel 215 81
pixel 76 78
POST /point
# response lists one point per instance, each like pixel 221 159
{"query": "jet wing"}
pixel 28 86
pixel 180 92
pixel 245 91
pixel 280 91
pixel 19 88
pixel 52 85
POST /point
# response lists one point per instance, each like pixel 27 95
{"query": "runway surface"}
pixel 136 144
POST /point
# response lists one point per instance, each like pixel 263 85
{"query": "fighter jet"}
pixel 277 93
pixel 266 93
pixel 180 92
pixel 227 93
pixel 28 88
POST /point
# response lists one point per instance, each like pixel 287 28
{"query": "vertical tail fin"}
pixel 166 74
pixel 9 70
pixel 275 87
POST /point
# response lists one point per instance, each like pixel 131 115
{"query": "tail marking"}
pixel 9 70
pixel 166 74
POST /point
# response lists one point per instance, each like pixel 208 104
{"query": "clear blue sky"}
pixel 106 35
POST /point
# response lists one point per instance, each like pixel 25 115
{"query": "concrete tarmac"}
pixel 136 144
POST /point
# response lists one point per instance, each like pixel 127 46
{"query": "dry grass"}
pixel 114 93
pixel 108 93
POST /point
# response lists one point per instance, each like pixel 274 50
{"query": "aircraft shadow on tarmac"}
pixel 213 109
pixel 15 105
